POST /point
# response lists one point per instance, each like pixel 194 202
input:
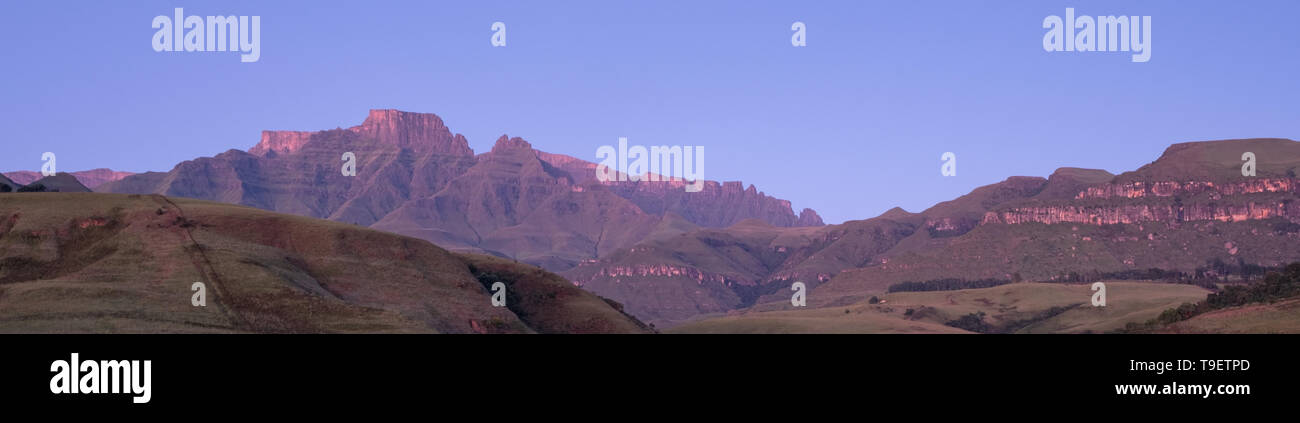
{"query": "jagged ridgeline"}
pixel 415 177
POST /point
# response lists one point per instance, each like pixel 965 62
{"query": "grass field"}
pixel 1016 308
pixel 1279 317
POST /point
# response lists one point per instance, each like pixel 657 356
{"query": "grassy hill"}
pixel 95 263
pixel 1220 161
pixel 1280 317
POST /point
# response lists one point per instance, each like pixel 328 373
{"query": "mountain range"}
pixel 415 177
pixel 669 256
pixel 89 178
pixel 58 182
pixel 1188 209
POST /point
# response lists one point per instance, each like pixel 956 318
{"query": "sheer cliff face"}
pixel 1190 182
pixel 1167 201
pixel 419 132
pixel 415 177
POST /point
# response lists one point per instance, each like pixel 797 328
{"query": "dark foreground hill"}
pixel 112 263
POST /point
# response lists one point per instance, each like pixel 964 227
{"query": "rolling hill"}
pixel 115 263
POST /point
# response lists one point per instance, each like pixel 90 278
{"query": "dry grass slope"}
pixel 96 263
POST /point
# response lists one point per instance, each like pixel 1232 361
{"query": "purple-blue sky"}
pixel 850 125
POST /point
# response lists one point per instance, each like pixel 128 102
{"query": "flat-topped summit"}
pixel 1219 161
pixel 417 131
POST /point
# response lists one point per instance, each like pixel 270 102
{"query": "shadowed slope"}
pixel 125 263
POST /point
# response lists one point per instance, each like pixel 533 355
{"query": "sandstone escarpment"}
pixel 419 132
pixel 1140 189
pixel 1127 214
pixel 1163 201
pixel 280 142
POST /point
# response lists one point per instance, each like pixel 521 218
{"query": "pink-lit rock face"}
pixel 1170 188
pixel 1128 214
pixel 420 132
pixel 1224 201
pixel 505 144
pixel 809 217
pixel 281 142
pixel 417 131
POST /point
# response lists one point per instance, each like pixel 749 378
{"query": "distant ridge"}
pixel 90 178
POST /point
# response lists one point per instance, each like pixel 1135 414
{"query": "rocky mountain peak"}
pixel 280 142
pixel 417 131
pixel 896 213
pixel 424 132
pixel 505 143
pixel 809 217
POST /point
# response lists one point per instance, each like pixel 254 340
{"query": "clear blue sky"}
pixel 850 125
